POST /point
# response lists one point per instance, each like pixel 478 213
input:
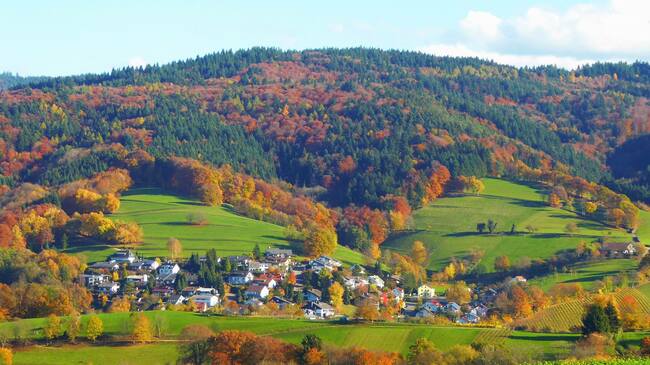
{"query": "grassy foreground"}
pixel 162 215
pixel 448 226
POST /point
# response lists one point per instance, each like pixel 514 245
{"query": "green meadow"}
pixel 448 226
pixel 162 215
pixel 587 274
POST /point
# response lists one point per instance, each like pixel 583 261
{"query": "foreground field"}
pixel 162 216
pixel 448 226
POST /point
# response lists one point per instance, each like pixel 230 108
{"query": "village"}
pixel 246 285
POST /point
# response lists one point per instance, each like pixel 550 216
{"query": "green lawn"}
pixel 162 353
pixel 448 226
pixel 587 273
pixel 163 215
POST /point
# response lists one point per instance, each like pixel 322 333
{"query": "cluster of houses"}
pixel 253 283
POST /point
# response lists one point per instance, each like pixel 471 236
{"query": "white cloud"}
pixel 137 62
pixel 336 28
pixel 520 60
pixel 619 30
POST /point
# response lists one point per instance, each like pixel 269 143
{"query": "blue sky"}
pixel 69 37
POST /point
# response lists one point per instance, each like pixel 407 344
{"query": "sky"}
pixel 67 37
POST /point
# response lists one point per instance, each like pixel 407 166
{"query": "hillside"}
pixel 162 215
pixel 362 123
pixel 448 226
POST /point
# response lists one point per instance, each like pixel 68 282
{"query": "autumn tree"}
pixel 424 352
pixel 336 295
pixel 95 328
pixel 554 200
pixel 174 248
pixel 571 228
pixel 502 263
pixel 320 241
pixel 52 328
pixel 196 345
pixel 419 252
pixel 459 293
pixel 6 356
pixel 142 331
pixel 74 327
pixel 367 311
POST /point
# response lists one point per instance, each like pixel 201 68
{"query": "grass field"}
pixel 587 273
pixel 448 226
pixel 395 337
pixel 162 216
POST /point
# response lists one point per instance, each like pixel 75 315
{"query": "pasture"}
pixel 448 226
pixel 163 215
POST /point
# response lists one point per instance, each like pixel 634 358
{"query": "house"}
pixel 433 306
pixel 424 313
pixel 188 291
pixel 452 307
pixel 357 270
pixel 259 267
pixel 104 266
pixel 277 253
pixel 318 310
pixel 376 281
pixel 168 268
pixel 281 302
pixel 91 280
pixel 313 295
pixel 240 262
pixel 169 279
pixel 425 291
pixel 150 265
pixel 176 299
pixel 618 249
pixel 108 288
pixel 518 279
pixel 324 262
pixel 122 256
pixel 162 291
pixel 468 318
pixel 268 282
pixel 206 291
pixel 479 311
pixel 257 291
pixel 355 282
pixel 137 279
pixel 240 278
pixel 205 301
pixel 398 293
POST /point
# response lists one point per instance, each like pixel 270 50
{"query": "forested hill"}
pixel 358 124
pixel 9 80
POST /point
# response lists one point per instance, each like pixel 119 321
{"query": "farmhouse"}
pixel 618 249
pixel 257 291
pixel 425 291
pixel 205 301
pixel 122 256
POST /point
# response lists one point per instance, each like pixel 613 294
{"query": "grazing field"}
pixel 162 216
pixel 448 226
pixel 587 273
pixel 567 316
pixel 160 353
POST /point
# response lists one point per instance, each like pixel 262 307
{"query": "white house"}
pixel 354 282
pixel 205 301
pixel 257 291
pixel 108 287
pixel 137 279
pixel 425 291
pixel 376 281
pixel 122 256
pixel 318 310
pixel 240 278
pixel 258 267
pixel 168 268
pixel 325 262
pixel 206 291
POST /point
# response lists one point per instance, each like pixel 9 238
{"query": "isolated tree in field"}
pixel 336 291
pixel 531 229
pixel 491 226
pixel 141 332
pixel 502 263
pixel 590 207
pixel 419 252
pixel 475 185
pixel 160 325
pixel 74 327
pixel 367 311
pixel 461 355
pixel 95 328
pixel 52 327
pixel 257 253
pixel 196 218
pixel 595 320
pixel 174 247
pixel 423 352
pixel 554 200
pixel 571 228
pixel 480 227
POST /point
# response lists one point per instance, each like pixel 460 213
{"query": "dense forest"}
pixel 355 126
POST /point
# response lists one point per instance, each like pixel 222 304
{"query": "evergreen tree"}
pixel 613 317
pixel 595 320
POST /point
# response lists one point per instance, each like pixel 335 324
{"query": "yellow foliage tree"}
pixel 141 332
pixel 95 328
pixel 336 294
pixel 6 356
